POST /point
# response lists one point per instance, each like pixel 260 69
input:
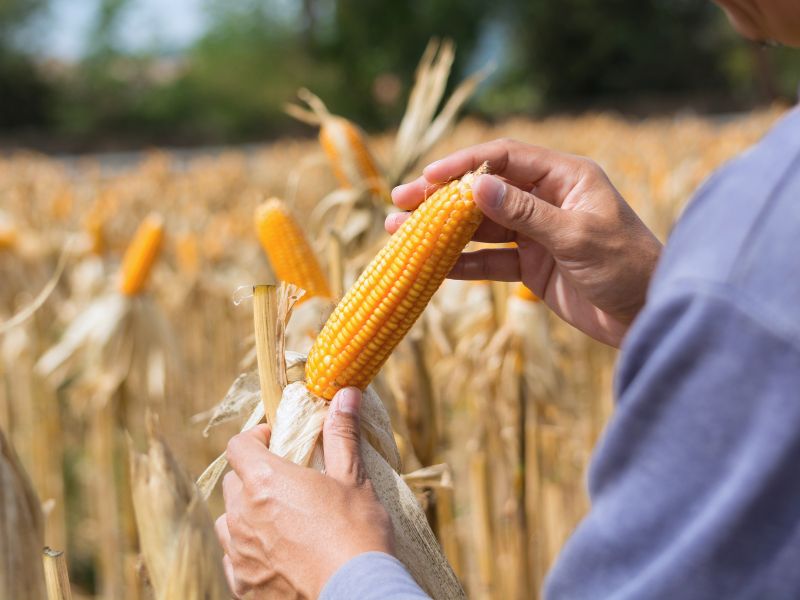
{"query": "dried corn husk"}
pixel 114 338
pixel 180 549
pixel 21 531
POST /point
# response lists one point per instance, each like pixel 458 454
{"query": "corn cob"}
pixel 141 254
pixel 350 158
pixel 393 290
pixel 345 145
pixel 290 254
pixel 94 228
pixel 524 293
pixel 8 236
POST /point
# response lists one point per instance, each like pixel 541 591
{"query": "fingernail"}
pixel 492 190
pixel 348 400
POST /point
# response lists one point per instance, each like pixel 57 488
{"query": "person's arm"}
pixel 695 484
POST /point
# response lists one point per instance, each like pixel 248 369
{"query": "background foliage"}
pixel 635 56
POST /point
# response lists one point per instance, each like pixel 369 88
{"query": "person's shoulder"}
pixel 742 229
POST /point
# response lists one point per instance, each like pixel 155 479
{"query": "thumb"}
pixel 520 211
pixel 341 436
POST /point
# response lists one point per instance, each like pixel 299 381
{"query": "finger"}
pixel 223 535
pixel 231 489
pixel 394 220
pixel 341 436
pixel 553 174
pixel 494 265
pixel 247 452
pixel 522 212
pixel 493 233
pixel 409 195
pixel 230 575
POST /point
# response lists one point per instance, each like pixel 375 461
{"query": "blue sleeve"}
pixel 372 576
pixel 695 486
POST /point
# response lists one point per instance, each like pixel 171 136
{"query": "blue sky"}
pixel 145 23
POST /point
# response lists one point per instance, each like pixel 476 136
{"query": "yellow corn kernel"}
pixel 392 292
pixel 289 252
pixel 351 160
pixel 524 293
pixel 141 254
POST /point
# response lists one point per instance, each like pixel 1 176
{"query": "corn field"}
pixel 140 361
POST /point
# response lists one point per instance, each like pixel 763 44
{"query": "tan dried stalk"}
pixel 56 575
pixel 265 321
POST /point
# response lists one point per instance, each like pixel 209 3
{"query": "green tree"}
pixel 574 49
pixel 25 97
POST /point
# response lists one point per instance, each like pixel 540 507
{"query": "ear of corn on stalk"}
pixel 393 290
pixel 94 228
pixel 141 255
pixel 345 145
pixel 8 233
pixel 180 550
pixel 290 254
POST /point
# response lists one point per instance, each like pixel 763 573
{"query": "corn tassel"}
pixel 393 290
pixel 141 255
pixel 289 252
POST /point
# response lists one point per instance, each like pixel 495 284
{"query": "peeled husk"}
pixel 296 436
pixel 21 531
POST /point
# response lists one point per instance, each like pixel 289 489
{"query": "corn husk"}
pixel 114 338
pixel 21 530
pixel 178 543
pixel 296 436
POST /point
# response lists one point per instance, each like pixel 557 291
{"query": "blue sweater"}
pixel 695 485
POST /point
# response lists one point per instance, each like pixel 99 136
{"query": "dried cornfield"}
pixel 495 405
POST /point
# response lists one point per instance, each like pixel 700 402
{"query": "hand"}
pixel 580 247
pixel 287 528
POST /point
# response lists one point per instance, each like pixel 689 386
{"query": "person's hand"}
pixel 287 528
pixel 580 247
